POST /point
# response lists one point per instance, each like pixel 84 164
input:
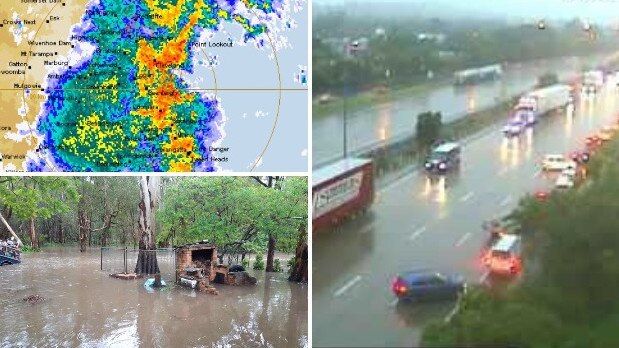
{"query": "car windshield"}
pixel 500 254
pixel 437 156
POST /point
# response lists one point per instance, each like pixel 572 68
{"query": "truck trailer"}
pixel 341 190
pixel 471 76
pixel 542 101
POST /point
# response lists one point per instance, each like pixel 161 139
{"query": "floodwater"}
pixel 85 307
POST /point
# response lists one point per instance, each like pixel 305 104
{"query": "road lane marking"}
pixel 452 313
pixel 467 196
pixel 536 174
pixel 347 286
pixel 503 171
pixel 506 201
pixel 463 239
pixel 399 179
pixel 417 233
pixel 393 303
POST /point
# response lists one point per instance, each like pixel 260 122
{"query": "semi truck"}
pixel 542 101
pixel 471 76
pixel 535 104
pixel 341 190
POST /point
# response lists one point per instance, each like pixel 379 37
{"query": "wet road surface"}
pixel 384 123
pixel 415 223
pixel 85 307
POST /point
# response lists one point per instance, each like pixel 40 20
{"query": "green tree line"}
pixel 408 60
pixel 238 214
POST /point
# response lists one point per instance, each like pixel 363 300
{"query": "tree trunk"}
pixel 62 236
pixel 270 253
pixel 299 267
pixel 89 229
pixel 34 240
pixel 149 197
pixel 82 222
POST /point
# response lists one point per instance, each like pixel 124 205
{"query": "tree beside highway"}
pixel 428 129
pixel 409 58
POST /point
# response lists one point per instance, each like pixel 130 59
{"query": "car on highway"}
pixel 513 128
pixel 541 196
pixel 566 179
pixel 557 162
pixel 593 140
pixel 606 134
pixel 422 285
pixel 325 98
pixel 443 158
pixel 504 257
pixel 580 157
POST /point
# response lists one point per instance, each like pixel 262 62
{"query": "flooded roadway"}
pixel 85 307
pixel 384 123
pixel 415 223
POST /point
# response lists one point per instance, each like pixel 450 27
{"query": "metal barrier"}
pixel 118 260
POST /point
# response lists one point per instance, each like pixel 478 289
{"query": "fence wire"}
pixel 118 260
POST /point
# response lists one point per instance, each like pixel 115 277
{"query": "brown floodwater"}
pixel 83 306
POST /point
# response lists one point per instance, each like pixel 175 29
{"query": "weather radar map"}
pixel 153 85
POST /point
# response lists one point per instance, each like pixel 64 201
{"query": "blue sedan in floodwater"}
pixel 425 285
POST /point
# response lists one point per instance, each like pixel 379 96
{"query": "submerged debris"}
pixel 33 299
pixel 126 276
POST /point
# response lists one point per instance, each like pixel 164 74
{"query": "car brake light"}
pixel 399 287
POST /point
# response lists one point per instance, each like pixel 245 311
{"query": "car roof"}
pixel 419 274
pixel 555 156
pixel 446 147
pixel 506 242
pixel 336 169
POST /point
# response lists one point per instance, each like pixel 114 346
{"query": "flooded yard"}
pixel 83 306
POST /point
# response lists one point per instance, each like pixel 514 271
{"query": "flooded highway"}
pixel 380 124
pixel 85 307
pixel 416 223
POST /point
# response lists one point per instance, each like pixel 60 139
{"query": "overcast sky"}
pixel 606 11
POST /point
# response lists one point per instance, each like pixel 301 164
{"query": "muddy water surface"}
pixel 85 307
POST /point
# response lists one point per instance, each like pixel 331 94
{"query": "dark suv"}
pixel 443 158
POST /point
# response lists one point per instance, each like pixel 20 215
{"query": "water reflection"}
pixel 509 152
pixel 569 119
pixel 528 142
pixel 471 99
pixel 383 124
pixel 435 188
pixel 85 307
